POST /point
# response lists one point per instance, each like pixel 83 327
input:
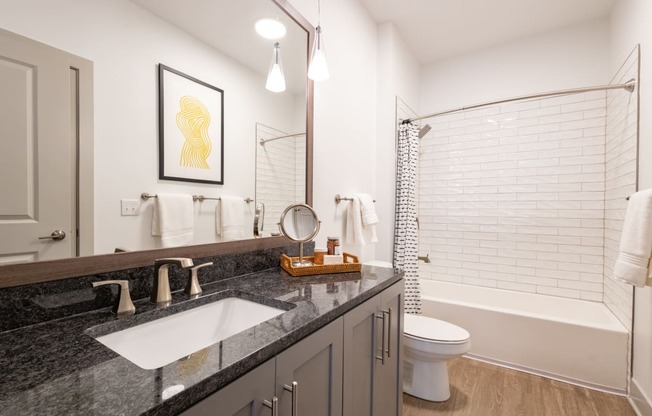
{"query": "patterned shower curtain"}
pixel 405 223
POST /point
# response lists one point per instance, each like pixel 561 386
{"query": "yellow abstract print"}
pixel 193 120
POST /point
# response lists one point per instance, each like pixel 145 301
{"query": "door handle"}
pixel 56 235
pixel 382 339
pixel 389 330
pixel 273 405
pixel 294 389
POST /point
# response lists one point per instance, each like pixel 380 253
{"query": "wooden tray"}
pixel 351 264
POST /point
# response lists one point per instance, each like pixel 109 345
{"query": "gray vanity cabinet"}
pixel 314 365
pixel 350 367
pixel 243 397
pixel 373 356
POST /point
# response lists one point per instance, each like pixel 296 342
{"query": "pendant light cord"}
pixel 318 12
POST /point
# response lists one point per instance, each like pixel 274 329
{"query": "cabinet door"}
pixel 359 357
pixel 243 397
pixel 315 366
pixel 388 377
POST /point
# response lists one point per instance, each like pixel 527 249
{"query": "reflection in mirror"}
pixel 124 41
pixel 299 223
pixel 280 170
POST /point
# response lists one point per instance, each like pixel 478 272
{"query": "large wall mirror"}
pixel 121 43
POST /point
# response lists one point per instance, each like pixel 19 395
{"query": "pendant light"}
pixel 318 70
pixel 275 77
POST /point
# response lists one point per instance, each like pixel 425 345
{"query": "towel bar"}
pixel 145 196
pixel 339 199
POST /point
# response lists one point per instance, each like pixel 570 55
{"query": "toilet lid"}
pixel 433 329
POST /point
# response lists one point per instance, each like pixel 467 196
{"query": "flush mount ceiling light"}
pixel 275 77
pixel 270 28
pixel 318 70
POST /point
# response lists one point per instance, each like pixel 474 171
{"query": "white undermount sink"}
pixel 162 341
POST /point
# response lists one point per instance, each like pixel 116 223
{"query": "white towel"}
pixel 172 219
pixel 229 218
pixel 633 263
pixel 355 231
pixel 367 209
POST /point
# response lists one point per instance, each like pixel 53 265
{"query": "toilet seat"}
pixel 428 329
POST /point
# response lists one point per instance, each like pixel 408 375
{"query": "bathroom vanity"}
pixel 336 342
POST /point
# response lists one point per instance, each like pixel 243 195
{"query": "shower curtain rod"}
pixel 629 86
pixel 263 141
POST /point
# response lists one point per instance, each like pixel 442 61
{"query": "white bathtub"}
pixel 574 341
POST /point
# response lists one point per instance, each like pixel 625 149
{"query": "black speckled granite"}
pixel 58 368
pixel 32 304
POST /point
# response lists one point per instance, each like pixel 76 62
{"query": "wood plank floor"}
pixel 481 389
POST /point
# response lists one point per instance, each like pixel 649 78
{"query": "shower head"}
pixel 424 130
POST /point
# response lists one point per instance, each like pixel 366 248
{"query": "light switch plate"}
pixel 129 207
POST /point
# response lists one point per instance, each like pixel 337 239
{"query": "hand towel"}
pixel 633 263
pixel 172 219
pixel 355 231
pixel 368 209
pixel 229 218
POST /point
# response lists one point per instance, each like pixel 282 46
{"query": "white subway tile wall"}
pixel 621 169
pixel 280 173
pixel 513 196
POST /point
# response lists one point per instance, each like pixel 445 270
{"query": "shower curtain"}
pixel 406 241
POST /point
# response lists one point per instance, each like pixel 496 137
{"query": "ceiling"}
pixel 228 26
pixel 439 29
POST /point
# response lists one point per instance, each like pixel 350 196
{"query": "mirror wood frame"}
pixel 44 271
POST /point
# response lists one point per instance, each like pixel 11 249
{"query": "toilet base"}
pixel 427 380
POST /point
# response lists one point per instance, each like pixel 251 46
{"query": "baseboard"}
pixel 638 399
pixel 552 376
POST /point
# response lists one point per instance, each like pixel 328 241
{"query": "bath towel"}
pixel 172 219
pixel 229 218
pixel 356 232
pixel 633 263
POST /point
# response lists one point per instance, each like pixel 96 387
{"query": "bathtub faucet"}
pixel 425 258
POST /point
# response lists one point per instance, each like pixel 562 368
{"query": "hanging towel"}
pixel 367 209
pixel 172 219
pixel 355 231
pixel 633 263
pixel 229 218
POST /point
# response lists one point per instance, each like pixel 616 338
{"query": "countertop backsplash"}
pixel 32 304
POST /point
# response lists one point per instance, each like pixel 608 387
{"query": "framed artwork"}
pixel 191 128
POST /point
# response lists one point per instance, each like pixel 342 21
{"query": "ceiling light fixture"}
pixel 275 77
pixel 318 70
pixel 270 28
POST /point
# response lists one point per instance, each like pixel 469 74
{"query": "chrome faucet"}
pixel 161 287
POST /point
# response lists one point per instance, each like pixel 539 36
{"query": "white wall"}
pixel 125 44
pixel 567 58
pixel 630 25
pixel 398 75
pixel 345 115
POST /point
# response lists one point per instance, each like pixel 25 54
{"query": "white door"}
pixel 36 152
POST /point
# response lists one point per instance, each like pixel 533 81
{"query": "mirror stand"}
pixel 300 224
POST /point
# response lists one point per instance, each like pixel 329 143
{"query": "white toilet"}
pixel 428 344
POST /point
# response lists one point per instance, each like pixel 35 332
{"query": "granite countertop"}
pixel 58 368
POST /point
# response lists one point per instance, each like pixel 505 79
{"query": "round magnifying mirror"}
pixel 299 222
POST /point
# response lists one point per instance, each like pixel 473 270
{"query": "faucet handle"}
pixel 123 305
pixel 193 288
